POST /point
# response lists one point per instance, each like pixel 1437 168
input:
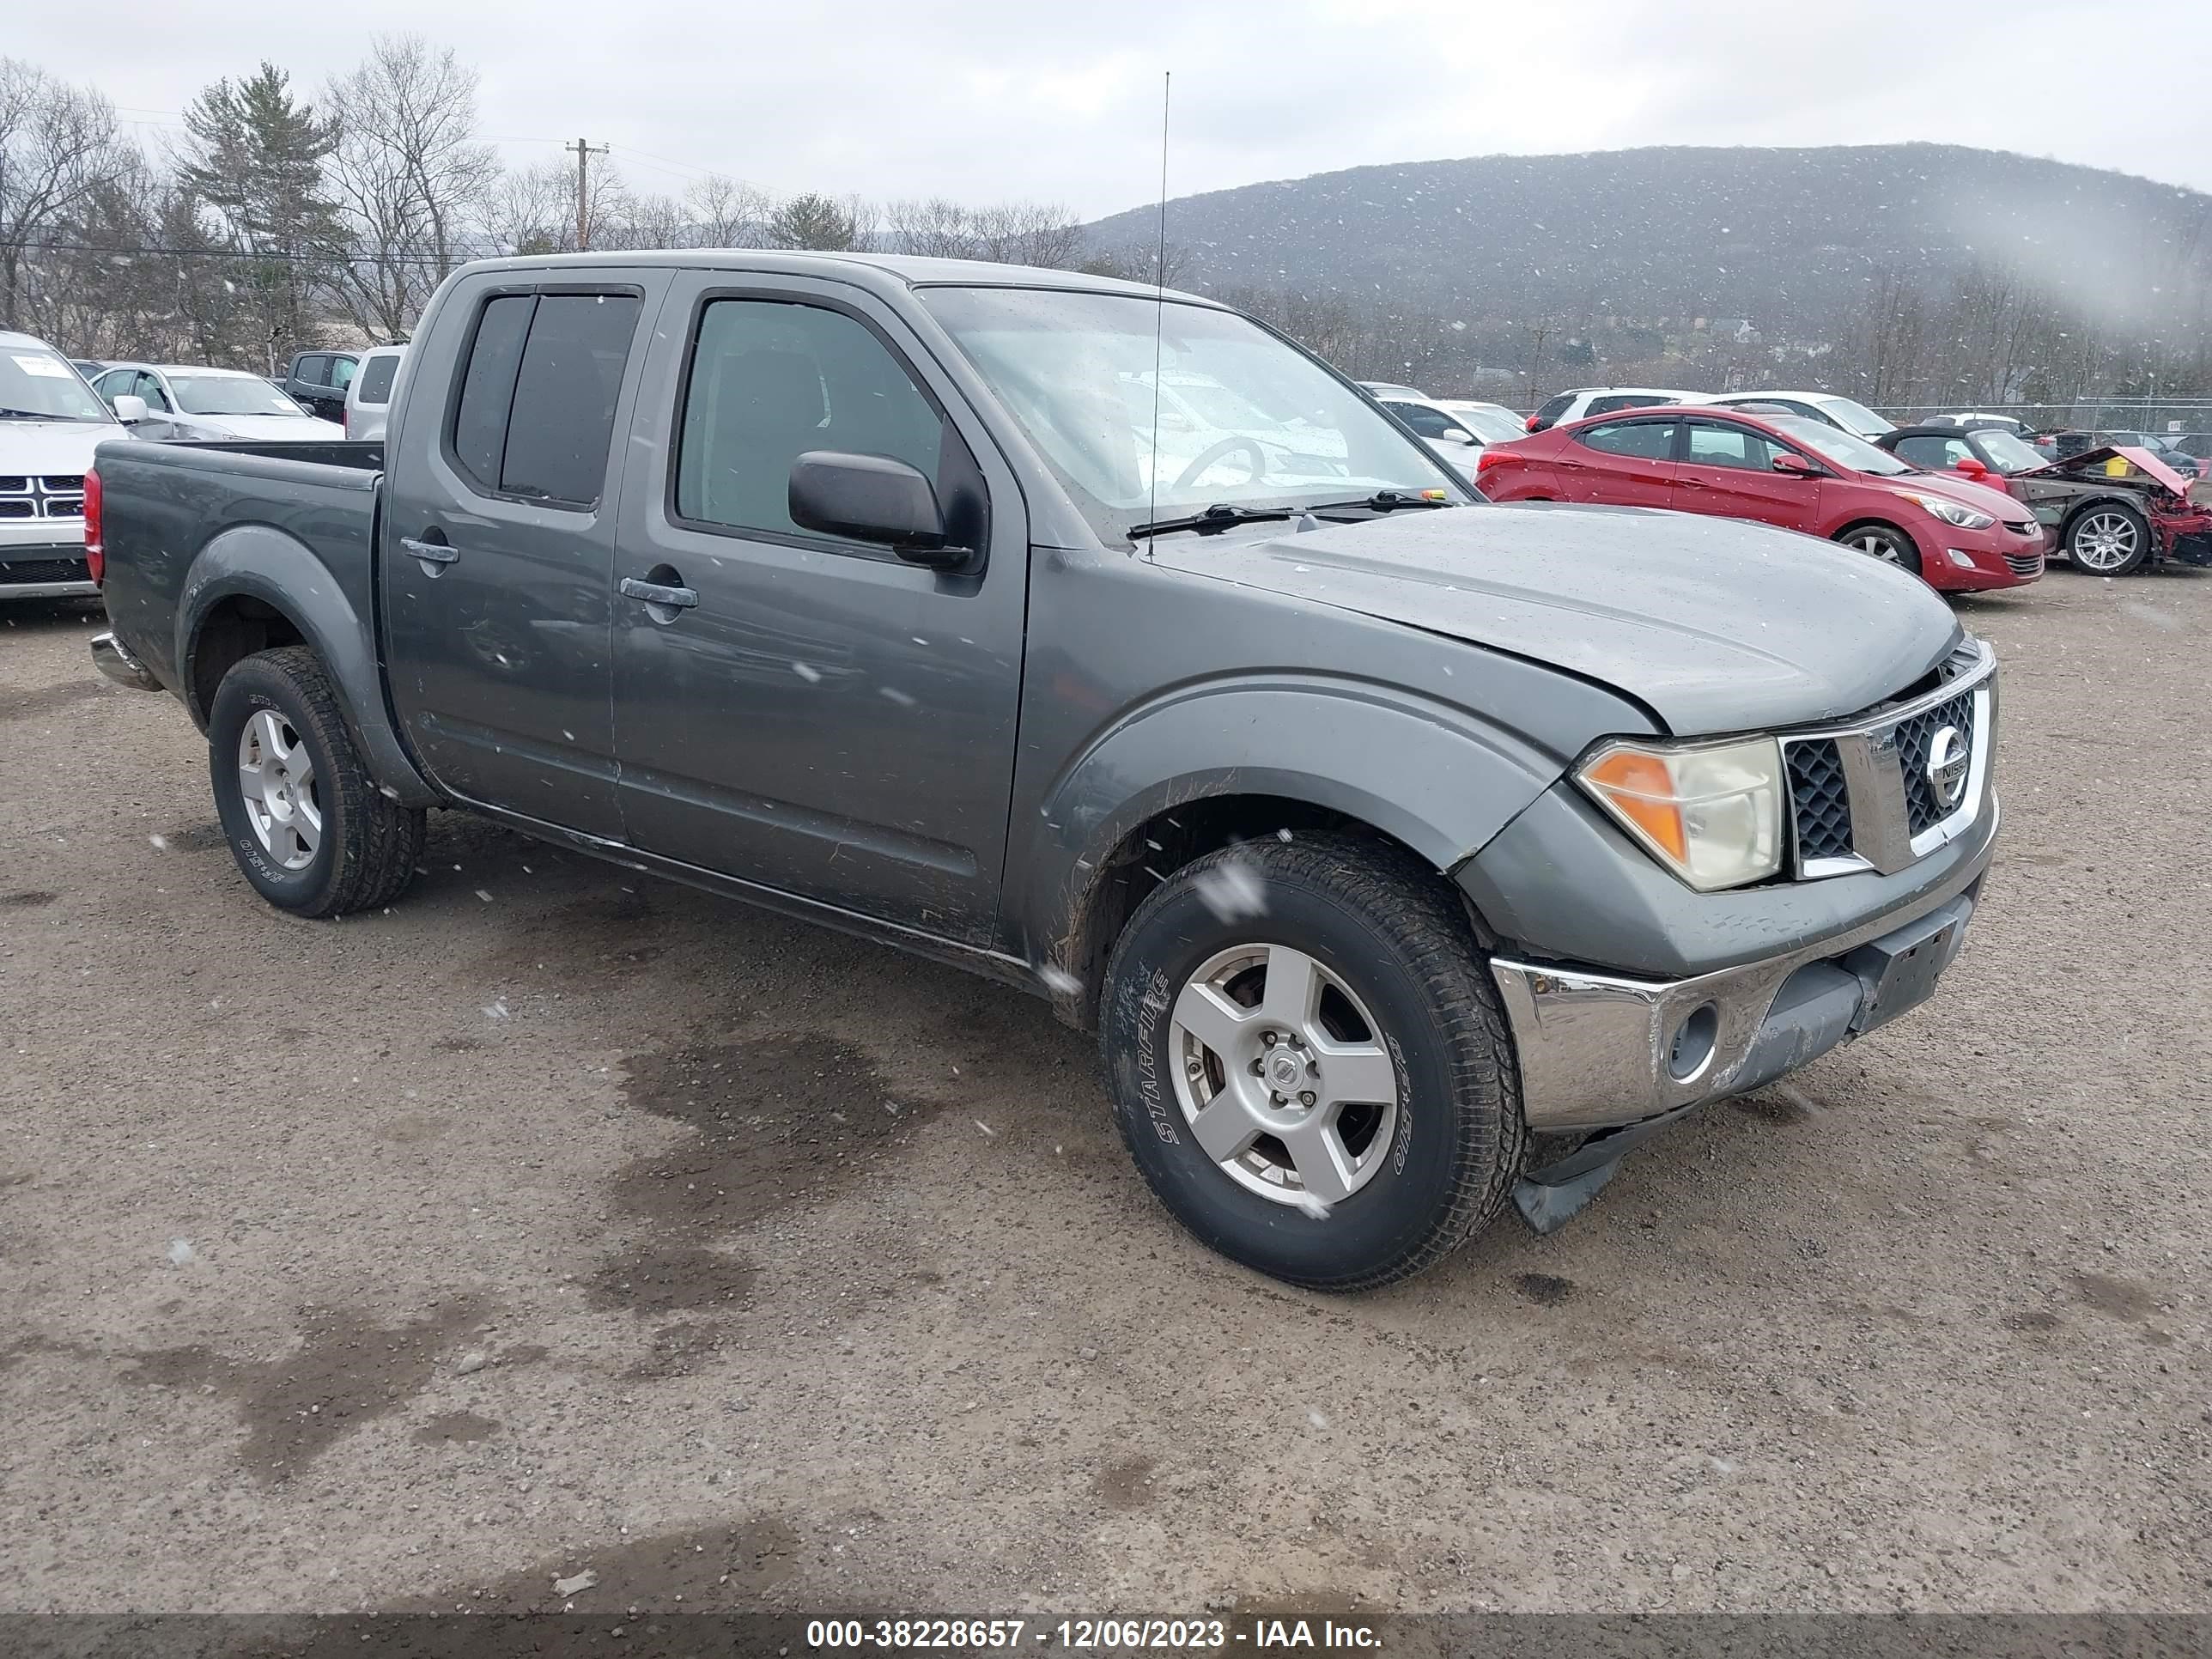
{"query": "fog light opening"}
pixel 1693 1043
pixel 1965 561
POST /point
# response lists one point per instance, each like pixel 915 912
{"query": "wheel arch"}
pixel 254 587
pixel 1435 782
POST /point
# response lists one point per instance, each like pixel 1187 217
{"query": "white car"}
pixel 184 402
pixel 368 394
pixel 50 424
pixel 1458 428
pixel 1585 401
pixel 1844 413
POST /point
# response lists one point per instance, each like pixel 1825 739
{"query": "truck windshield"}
pixel 37 385
pixel 230 394
pixel 1243 419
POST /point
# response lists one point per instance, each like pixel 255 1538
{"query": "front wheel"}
pixel 2108 539
pixel 1885 542
pixel 1309 1063
pixel 304 821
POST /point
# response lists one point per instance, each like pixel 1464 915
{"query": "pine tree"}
pixel 256 159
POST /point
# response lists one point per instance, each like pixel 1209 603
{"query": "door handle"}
pixel 675 598
pixel 430 552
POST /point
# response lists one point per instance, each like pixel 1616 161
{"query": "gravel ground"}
pixel 560 1220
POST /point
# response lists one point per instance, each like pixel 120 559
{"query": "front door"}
pixel 498 542
pixel 1629 463
pixel 826 718
pixel 1729 471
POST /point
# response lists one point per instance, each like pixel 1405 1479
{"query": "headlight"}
pixel 1952 511
pixel 1710 813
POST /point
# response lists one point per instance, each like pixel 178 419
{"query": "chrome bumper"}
pixel 110 656
pixel 1598 1051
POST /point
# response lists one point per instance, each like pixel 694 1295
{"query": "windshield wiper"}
pixel 1220 516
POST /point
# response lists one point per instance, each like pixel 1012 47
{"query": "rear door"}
pixel 1619 463
pixel 826 720
pixel 498 540
pixel 1729 471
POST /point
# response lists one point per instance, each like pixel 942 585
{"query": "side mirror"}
pixel 872 498
pixel 130 409
pixel 1967 467
pixel 1458 435
pixel 1795 466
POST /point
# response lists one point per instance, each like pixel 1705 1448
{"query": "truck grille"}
pixel 1914 738
pixel 1860 794
pixel 1821 804
pixel 57 496
pixel 27 571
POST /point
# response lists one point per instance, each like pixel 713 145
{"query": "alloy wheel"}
pixel 277 777
pixel 2103 541
pixel 1282 1075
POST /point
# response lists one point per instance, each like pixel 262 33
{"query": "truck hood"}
pixel 1714 625
pixel 61 447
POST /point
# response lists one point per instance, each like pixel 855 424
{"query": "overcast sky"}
pixel 987 99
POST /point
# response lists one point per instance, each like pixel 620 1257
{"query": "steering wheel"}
pixel 1251 447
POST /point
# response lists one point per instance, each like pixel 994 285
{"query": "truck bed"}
pixel 299 516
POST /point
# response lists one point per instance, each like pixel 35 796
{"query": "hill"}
pixel 1791 240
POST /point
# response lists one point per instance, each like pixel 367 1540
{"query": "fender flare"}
pixel 1437 778
pixel 257 562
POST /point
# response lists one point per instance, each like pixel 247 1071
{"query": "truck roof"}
pixel 885 269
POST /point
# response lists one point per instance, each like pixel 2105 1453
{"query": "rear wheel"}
pixel 1309 1063
pixel 2108 539
pixel 307 825
pixel 1885 542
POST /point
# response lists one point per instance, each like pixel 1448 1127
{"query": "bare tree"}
pixel 726 212
pixel 57 146
pixel 407 173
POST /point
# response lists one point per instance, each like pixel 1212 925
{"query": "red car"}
pixel 1782 470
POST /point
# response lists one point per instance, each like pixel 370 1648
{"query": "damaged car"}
pixel 2112 508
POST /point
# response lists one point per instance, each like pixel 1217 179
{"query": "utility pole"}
pixel 584 153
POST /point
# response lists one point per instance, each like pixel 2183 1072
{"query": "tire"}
pixel 1885 542
pixel 1401 999
pixel 2108 539
pixel 318 839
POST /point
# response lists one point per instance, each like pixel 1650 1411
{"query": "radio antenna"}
pixel 1159 299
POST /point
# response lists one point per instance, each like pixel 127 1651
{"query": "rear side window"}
pixel 1624 400
pixel 1932 452
pixel 1553 410
pixel 1642 440
pixel 375 386
pixel 537 408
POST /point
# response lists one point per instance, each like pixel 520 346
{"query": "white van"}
pixel 368 396
pixel 50 424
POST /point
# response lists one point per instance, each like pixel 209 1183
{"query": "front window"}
pixel 38 385
pixel 1845 449
pixel 1857 417
pixel 1242 418
pixel 230 394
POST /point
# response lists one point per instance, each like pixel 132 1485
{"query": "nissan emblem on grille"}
pixel 1947 760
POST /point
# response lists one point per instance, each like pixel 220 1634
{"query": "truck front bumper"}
pixel 1600 1050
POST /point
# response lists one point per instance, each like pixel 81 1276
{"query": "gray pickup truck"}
pixel 1410 855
